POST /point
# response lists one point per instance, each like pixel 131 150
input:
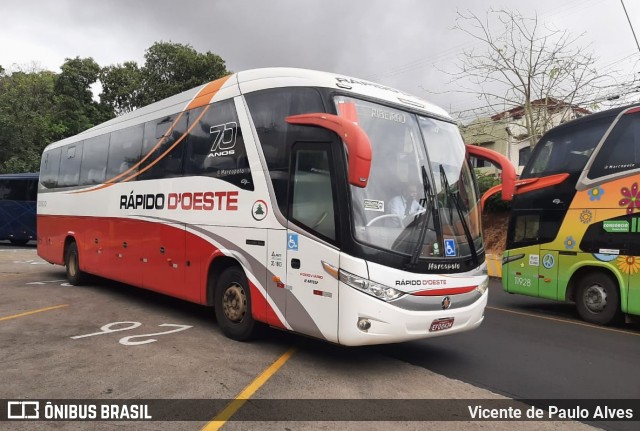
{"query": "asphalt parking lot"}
pixel 107 340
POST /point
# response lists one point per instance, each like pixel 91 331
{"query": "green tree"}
pixel 171 68
pixel 75 108
pixel 27 119
pixel 121 87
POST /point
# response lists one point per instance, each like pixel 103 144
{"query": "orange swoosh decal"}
pixel 208 91
pixel 203 98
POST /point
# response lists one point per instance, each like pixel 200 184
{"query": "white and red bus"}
pixel 271 195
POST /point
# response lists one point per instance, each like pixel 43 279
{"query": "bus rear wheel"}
pixel 598 299
pixel 72 264
pixel 19 241
pixel 232 304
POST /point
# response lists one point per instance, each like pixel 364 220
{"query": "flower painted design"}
pixel 628 264
pixel 631 199
pixel 595 194
pixel 569 243
pixel 586 216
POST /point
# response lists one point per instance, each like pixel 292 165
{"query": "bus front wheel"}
pixel 233 304
pixel 72 264
pixel 598 299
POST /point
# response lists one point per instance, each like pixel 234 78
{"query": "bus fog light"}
pixel 364 324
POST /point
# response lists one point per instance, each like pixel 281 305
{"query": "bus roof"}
pixel 254 80
pixel 591 117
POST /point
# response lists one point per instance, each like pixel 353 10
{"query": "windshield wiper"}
pixel 463 220
pixel 430 198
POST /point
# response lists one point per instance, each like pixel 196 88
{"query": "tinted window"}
pixel 215 145
pixel 621 151
pixel 70 165
pixel 566 149
pixel 312 195
pixel 163 144
pixel 523 156
pixel 124 152
pixel 269 108
pixel 94 159
pixel 49 168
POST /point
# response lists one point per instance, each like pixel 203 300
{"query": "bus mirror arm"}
pixel 356 140
pixel 508 175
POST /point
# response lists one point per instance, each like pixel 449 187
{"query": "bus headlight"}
pixel 369 287
pixel 482 287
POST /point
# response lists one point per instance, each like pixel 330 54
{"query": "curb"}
pixel 494 265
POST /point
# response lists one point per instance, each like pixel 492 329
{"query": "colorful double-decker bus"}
pixel 574 232
pixel 267 195
pixel 18 194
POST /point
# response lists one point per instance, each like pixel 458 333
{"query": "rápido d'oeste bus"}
pixel 267 195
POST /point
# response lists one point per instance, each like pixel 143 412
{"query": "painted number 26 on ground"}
pixel 127 341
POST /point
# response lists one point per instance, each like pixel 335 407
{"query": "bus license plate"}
pixel 441 324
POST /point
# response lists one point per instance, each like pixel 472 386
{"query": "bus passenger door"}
pixel 312 297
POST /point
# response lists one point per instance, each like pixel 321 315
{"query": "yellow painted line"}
pixel 28 313
pixel 588 325
pixel 235 405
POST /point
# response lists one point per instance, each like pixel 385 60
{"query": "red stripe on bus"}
pixel 445 291
pixel 153 256
pixel 633 110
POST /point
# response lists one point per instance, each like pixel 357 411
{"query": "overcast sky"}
pixel 405 44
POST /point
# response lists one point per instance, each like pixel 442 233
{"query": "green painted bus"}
pixel 574 229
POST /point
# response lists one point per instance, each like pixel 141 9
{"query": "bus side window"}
pixel 49 168
pixel 621 150
pixel 269 108
pixel 313 196
pixel 124 152
pixel 70 165
pixel 159 137
pixel 93 157
pixel 215 146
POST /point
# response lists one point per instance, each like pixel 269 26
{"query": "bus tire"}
pixel 598 299
pixel 232 303
pixel 72 265
pixel 19 241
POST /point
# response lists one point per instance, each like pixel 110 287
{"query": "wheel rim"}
pixel 234 303
pixel 595 298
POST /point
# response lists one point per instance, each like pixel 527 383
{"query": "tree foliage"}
pixel 27 119
pixel 122 87
pixel 38 107
pixel 169 68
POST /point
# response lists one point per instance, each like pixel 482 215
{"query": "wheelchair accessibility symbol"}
pixel 449 247
pixel 292 242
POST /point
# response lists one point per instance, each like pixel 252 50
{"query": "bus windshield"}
pixel 410 195
pixel 565 149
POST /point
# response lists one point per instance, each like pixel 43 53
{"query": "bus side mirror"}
pixel 356 140
pixel 508 175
